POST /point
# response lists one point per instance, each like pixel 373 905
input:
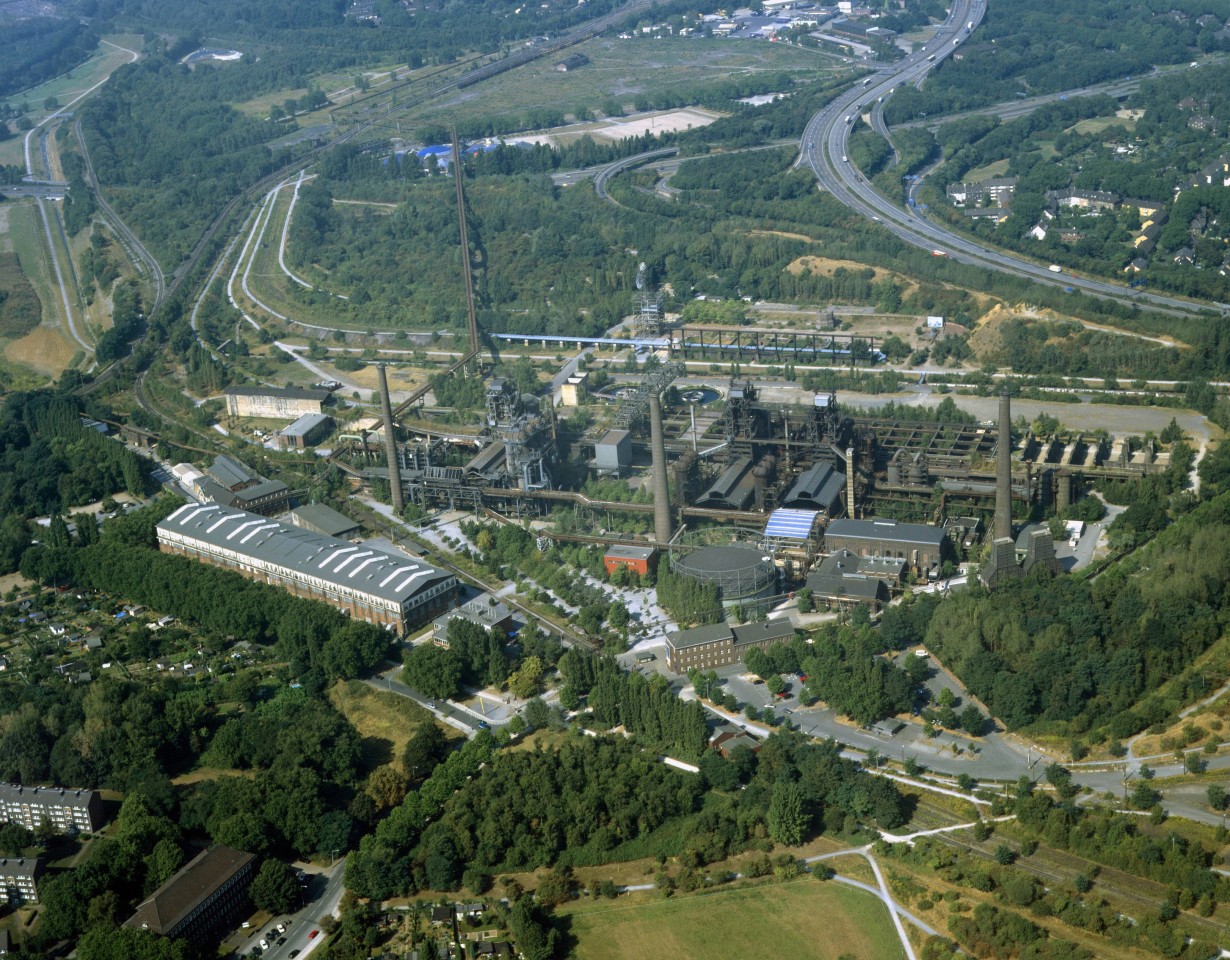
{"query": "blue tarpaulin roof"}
pixel 791 524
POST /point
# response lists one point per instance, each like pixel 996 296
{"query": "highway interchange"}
pixel 825 149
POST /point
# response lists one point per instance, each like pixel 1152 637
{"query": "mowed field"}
pixel 803 918
pixel 44 351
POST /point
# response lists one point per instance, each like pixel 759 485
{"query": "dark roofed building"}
pixel 846 579
pixel 230 473
pixel 206 897
pixel 64 808
pixel 19 879
pixel 817 488
pixel 720 644
pixel 573 62
pixel 322 519
pixel 266 497
pixel 631 557
pixel 920 545
pixel 484 611
pixel 733 489
pixel 728 741
pixel 231 484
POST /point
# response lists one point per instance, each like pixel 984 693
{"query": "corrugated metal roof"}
pixel 228 472
pixel 305 425
pixel 919 533
pixel 791 524
pixel 310 554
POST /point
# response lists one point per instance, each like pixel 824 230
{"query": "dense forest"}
pixel 1073 656
pixel 601 800
pixel 39 48
pixel 170 152
pixel 1031 48
pixel 49 462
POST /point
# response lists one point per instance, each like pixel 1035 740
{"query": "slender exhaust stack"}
pixel 1003 470
pixel 850 482
pixel 390 442
pixel 661 489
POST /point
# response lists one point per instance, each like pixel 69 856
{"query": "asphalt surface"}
pixel 325 892
pixel 825 149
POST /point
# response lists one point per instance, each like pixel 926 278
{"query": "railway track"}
pixel 133 247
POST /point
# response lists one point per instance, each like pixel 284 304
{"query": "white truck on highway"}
pixel 1055 268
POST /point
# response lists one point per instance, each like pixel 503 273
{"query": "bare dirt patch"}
pixel 660 123
pixel 826 267
pixel 43 350
pixel 987 342
pixel 781 233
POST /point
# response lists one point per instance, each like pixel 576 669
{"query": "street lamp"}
pixel 332 858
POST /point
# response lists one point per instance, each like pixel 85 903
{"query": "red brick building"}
pixel 640 560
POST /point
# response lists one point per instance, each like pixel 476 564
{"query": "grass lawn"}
pixel 996 169
pixel 803 918
pixel 384 720
pixel 1098 124
pixel 46 350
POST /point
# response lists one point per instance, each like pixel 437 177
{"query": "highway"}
pixel 43 190
pixel 825 149
pixel 1011 109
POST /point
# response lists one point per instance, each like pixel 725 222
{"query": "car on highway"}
pixel 313 935
pixel 843 159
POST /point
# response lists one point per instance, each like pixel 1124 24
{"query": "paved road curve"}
pixel 825 149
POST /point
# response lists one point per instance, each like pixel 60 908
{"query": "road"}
pixel 825 149
pixel 69 321
pixel 326 891
pixel 603 176
pixel 44 190
pixel 444 710
pixel 1011 109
